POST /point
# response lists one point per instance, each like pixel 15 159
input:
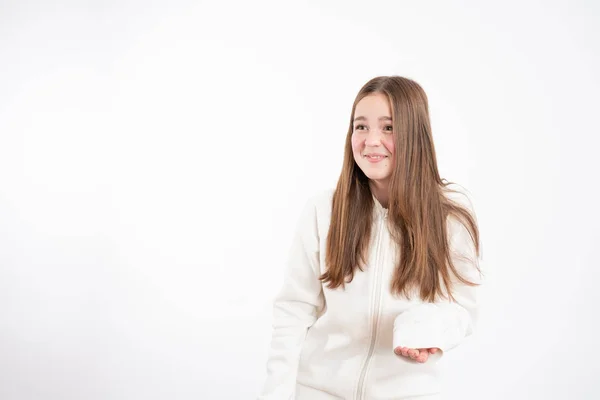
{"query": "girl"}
pixel 381 276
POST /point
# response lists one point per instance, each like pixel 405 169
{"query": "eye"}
pixel 389 128
pixel 358 127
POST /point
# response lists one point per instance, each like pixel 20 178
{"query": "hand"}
pixel 419 355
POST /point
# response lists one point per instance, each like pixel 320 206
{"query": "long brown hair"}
pixel 418 206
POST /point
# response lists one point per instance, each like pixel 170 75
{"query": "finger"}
pixel 398 351
pixel 405 351
pixel 423 356
pixel 433 350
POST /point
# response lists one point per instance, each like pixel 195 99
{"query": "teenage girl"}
pixel 381 277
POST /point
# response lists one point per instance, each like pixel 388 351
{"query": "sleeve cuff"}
pixel 419 328
pixel 432 325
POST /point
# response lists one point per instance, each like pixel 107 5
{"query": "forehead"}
pixel 374 105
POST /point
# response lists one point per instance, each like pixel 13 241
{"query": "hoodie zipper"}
pixel 378 267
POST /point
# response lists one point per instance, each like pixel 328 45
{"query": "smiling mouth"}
pixel 375 157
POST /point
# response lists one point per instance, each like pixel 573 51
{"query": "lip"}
pixel 380 158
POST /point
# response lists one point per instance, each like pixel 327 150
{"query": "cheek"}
pixel 356 143
pixel 389 145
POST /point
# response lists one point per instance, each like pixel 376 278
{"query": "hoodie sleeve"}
pixel 445 324
pixel 295 308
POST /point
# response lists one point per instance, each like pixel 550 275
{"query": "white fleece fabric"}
pixel 339 343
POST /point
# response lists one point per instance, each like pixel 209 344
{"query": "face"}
pixel 373 138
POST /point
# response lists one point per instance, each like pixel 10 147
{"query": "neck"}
pixel 380 191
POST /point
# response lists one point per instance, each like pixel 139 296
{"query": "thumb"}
pixel 433 350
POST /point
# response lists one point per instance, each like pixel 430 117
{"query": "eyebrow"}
pixel 361 118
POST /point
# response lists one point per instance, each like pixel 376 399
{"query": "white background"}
pixel 154 158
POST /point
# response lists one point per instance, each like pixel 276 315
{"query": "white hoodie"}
pixel 339 344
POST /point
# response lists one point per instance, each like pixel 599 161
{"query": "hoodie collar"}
pixel 378 208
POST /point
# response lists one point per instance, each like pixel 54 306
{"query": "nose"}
pixel 373 138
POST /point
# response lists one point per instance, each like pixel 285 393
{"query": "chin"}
pixel 377 176
pixel 375 173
